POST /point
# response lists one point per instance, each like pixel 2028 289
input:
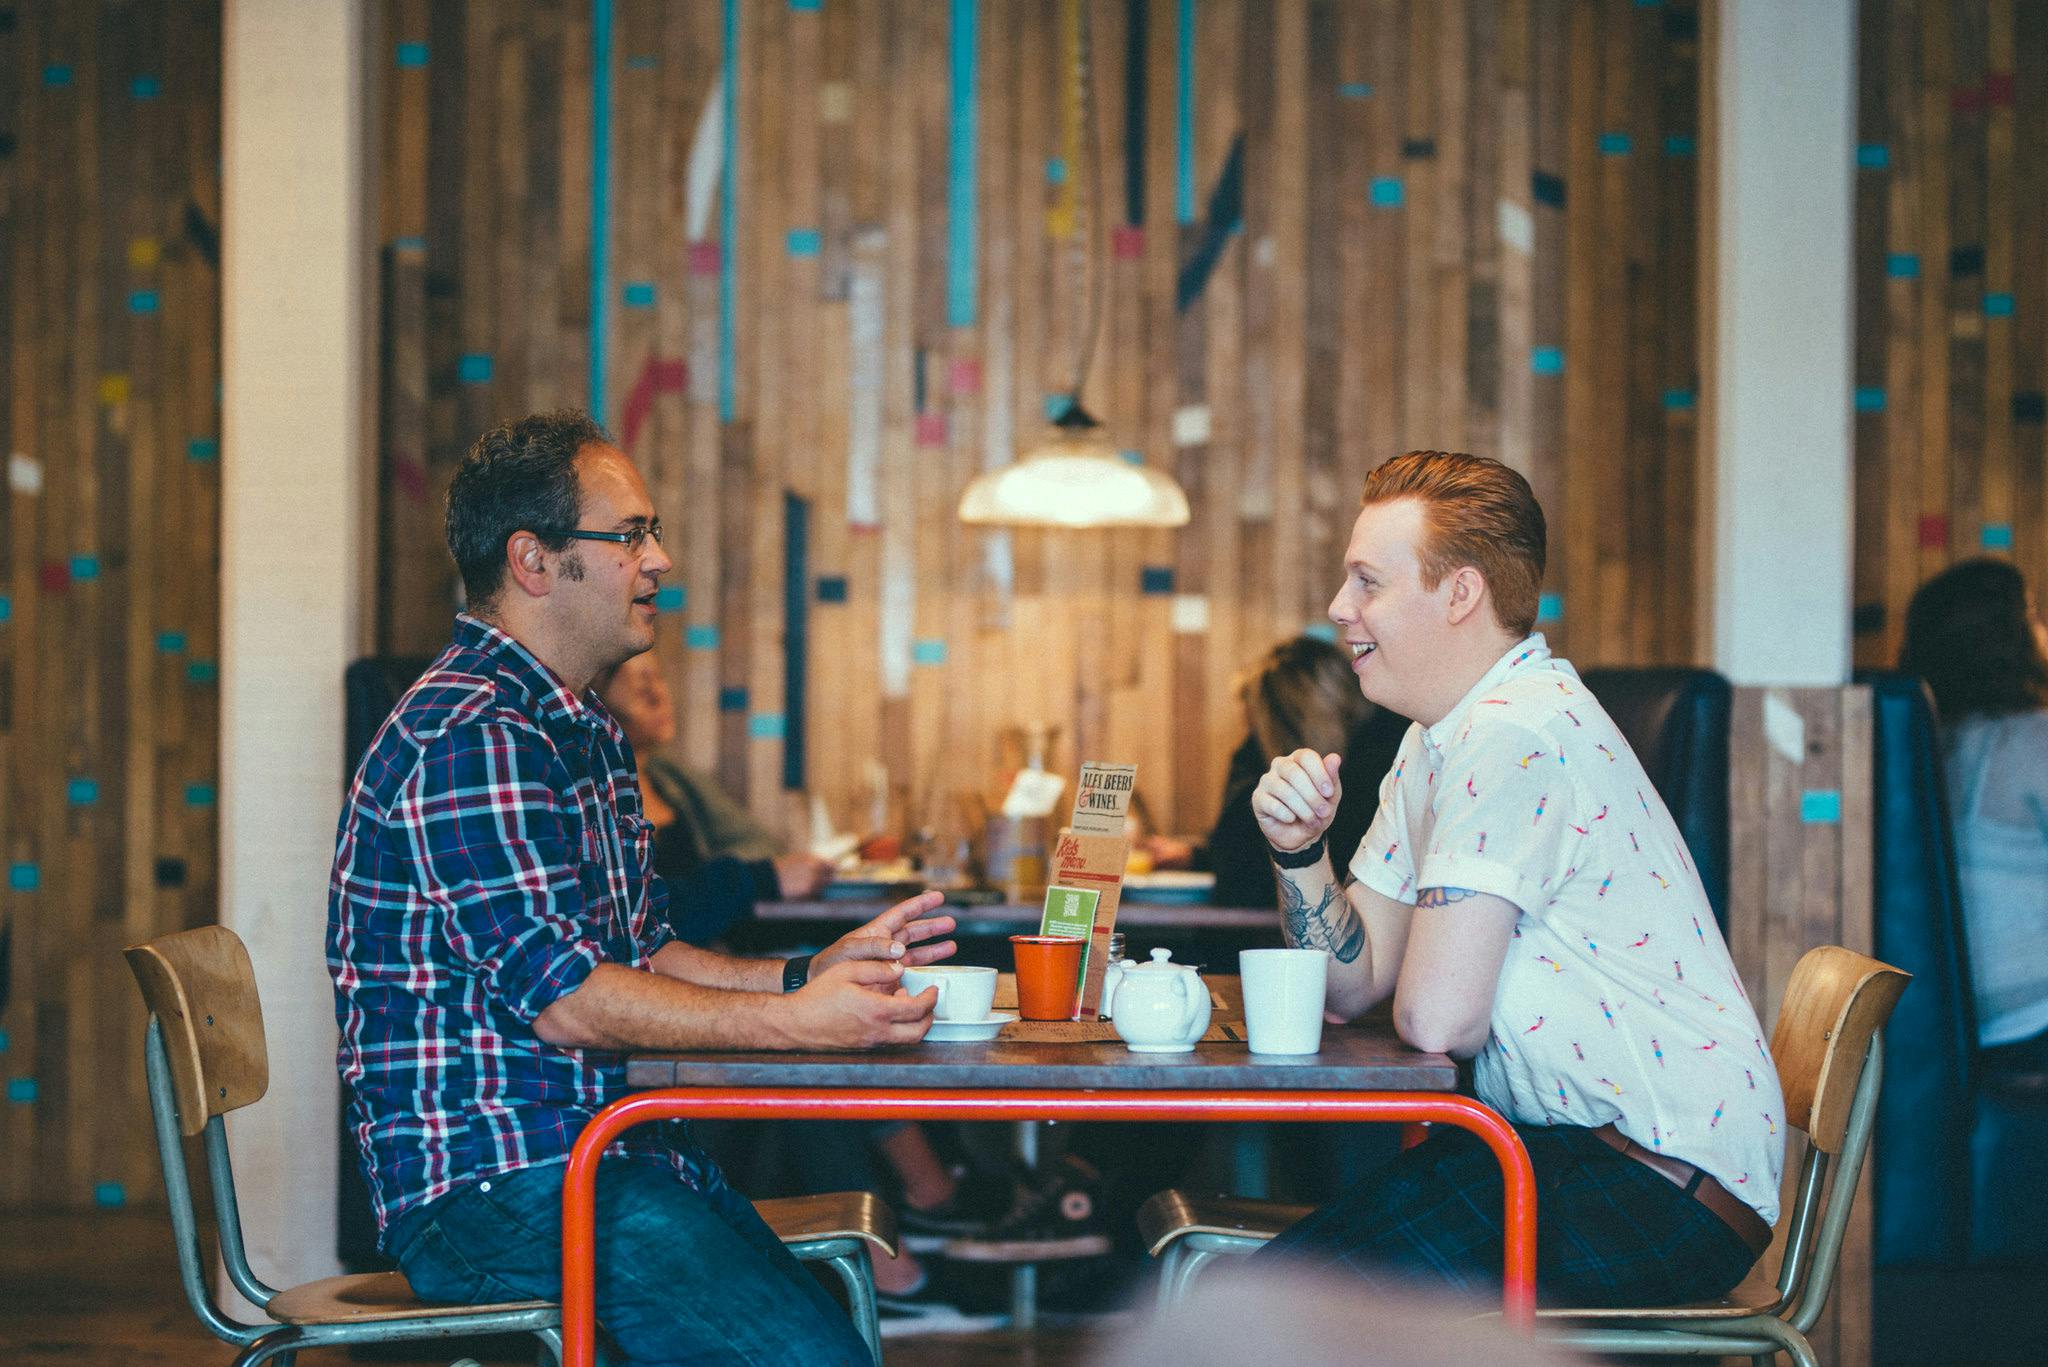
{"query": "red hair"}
pixel 1476 512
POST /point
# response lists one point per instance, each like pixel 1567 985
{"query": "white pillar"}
pixel 293 281
pixel 1782 305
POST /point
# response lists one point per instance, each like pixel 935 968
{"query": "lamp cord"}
pixel 1092 156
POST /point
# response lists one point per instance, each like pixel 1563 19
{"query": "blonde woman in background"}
pixel 1300 694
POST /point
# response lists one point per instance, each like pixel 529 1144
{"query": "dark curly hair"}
pixel 518 477
pixel 1970 635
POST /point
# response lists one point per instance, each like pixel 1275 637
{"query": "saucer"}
pixel 957 1032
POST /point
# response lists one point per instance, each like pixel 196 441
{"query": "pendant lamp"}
pixel 1074 476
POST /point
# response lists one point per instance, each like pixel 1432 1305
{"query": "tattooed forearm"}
pixel 1330 924
pixel 1443 897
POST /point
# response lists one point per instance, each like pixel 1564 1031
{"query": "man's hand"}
pixel 854 1004
pixel 797 876
pixel 1297 798
pixel 898 935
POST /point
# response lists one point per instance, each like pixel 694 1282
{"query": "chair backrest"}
pixel 1676 720
pixel 205 1056
pixel 201 987
pixel 1836 1000
pixel 1923 1208
pixel 1829 1049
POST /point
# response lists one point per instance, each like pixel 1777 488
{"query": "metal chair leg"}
pixel 1795 1345
pixel 1169 1273
pixel 550 1354
pixel 858 1274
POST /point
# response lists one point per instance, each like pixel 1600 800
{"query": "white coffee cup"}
pixel 1283 998
pixel 965 994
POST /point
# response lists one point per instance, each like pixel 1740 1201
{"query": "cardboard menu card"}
pixel 1087 874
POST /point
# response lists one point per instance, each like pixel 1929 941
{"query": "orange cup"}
pixel 1048 976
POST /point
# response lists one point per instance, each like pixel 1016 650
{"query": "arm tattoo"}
pixel 1443 897
pixel 1330 924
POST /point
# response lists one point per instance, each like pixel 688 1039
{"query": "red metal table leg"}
pixel 579 1188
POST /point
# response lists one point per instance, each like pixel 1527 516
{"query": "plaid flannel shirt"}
pixel 491 854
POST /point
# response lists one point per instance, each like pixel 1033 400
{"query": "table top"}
pixel 1363 1056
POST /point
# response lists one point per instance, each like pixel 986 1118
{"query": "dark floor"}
pixel 101 1290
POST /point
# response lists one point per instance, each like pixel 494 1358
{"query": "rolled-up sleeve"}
pixel 498 854
pixel 1508 819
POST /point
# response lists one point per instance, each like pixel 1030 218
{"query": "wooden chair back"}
pixel 201 987
pixel 1836 1000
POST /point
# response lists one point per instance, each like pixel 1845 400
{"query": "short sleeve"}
pixel 1505 819
pixel 495 851
pixel 1385 859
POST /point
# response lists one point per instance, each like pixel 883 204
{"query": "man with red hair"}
pixel 1527 901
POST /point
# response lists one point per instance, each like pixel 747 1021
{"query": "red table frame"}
pixel 579 1187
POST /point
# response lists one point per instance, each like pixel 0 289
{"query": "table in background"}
pixel 1362 1074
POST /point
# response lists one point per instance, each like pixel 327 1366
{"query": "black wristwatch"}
pixel 1302 858
pixel 796 972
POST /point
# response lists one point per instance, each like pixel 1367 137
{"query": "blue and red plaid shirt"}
pixel 492 852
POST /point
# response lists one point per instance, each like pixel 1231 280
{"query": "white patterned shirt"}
pixel 1617 1000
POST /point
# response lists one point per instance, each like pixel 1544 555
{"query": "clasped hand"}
pixel 1296 799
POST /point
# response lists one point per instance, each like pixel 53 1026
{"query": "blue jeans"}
pixel 682 1276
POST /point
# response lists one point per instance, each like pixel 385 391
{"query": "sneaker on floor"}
pixel 977 1204
pixel 1058 1215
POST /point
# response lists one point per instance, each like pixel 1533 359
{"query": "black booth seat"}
pixel 1962 1151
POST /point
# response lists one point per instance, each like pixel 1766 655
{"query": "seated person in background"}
pixel 717 859
pixel 1528 902
pixel 1300 694
pixel 1974 633
pixel 499 943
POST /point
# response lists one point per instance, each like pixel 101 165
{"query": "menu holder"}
pixel 1087 874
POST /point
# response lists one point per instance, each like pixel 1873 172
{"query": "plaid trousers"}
pixel 1609 1231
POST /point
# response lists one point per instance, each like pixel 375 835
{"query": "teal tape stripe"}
pixel 1184 115
pixel 1679 400
pixel 766 726
pixel 928 652
pixel 671 599
pixel 728 238
pixel 1902 266
pixel 600 195
pixel 1547 360
pixel 960 144
pixel 170 642
pixel 1873 156
pixel 21 1090
pixel 110 1195
pixel 701 638
pixel 24 877
pixel 1997 536
pixel 1870 399
pixel 1998 306
pixel 1322 631
pixel 1820 806
pixel 82 792
pixel 1550 608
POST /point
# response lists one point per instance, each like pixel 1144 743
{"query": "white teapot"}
pixel 1158 1008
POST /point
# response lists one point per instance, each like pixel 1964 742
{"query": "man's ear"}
pixel 1468 593
pixel 526 561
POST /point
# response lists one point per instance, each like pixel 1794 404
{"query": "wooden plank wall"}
pixel 1395 224
pixel 109 563
pixel 1951 297
pixel 1800 852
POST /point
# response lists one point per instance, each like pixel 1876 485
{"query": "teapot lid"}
pixel 1162 961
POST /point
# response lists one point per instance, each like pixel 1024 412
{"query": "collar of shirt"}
pixel 551 699
pixel 1530 650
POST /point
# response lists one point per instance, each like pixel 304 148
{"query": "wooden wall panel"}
pixel 1951 297
pixel 1324 232
pixel 109 564
pixel 1800 852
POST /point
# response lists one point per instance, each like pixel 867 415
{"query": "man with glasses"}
pixel 498 942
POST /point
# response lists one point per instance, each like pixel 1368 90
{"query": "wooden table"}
pixel 1362 1074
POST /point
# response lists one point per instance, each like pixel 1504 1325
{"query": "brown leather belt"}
pixel 1735 1213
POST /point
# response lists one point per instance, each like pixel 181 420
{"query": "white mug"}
pixel 965 993
pixel 1283 998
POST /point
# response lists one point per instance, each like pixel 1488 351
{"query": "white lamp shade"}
pixel 1075 479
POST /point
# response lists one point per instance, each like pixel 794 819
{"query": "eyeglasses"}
pixel 633 539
